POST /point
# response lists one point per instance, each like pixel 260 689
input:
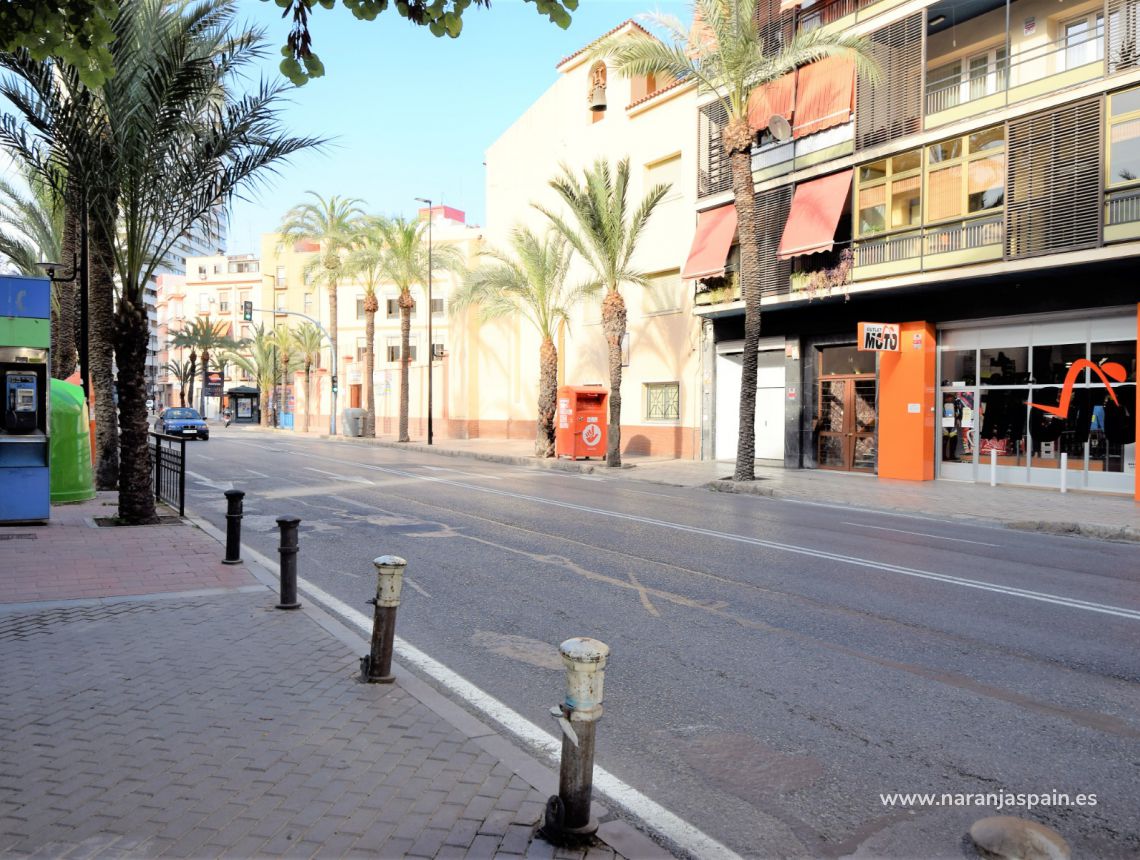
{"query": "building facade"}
pixel 948 253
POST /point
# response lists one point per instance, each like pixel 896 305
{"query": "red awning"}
pixel 774 97
pixel 816 207
pixel 826 95
pixel 709 254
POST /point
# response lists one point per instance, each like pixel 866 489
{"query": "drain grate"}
pixel 18 536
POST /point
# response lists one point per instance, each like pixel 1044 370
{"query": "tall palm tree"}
pixel 726 56
pixel 529 283
pixel 260 357
pixel 309 341
pixel 162 146
pixel 365 263
pixel 203 337
pixel 332 224
pixel 404 264
pixel 183 371
pixel 605 236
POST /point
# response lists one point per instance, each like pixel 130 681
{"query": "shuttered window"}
pixel 1053 191
pixel 1123 31
pixel 715 173
pixel 892 108
pixel 772 209
pixel 773 26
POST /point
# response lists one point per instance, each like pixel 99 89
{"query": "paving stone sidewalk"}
pixel 207 723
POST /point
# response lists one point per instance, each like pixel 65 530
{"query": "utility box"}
pixel 580 424
pixel 25 337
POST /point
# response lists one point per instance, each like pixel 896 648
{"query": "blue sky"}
pixel 410 114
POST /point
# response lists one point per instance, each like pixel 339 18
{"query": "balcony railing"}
pixel 889 249
pixel 1122 207
pixel 931 241
pixel 952 90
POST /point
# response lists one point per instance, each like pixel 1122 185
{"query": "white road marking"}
pixel 918 534
pixel 202 479
pixel 472 475
pixel 259 474
pixel 409 581
pixel 353 478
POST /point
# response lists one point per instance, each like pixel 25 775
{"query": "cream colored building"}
pixel 656 128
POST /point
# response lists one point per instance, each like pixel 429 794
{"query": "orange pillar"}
pixel 1136 480
pixel 906 405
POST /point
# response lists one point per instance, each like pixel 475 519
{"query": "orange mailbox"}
pixel 580 430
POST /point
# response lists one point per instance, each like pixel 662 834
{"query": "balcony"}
pixel 937 247
pixel 1122 215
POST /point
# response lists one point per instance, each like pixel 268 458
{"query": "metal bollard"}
pixel 993 467
pixel 233 526
pixel 568 818
pixel 376 668
pixel 288 551
pixel 1064 473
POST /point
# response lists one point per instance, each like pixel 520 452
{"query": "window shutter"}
pixel 715 173
pixel 1123 29
pixel 772 208
pixel 892 108
pixel 1054 180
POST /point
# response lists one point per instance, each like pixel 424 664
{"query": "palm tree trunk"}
pixel 308 393
pixel 369 364
pixel 405 360
pixel 101 301
pixel 738 144
pixel 63 330
pixel 547 397
pixel 136 484
pixel 189 387
pixel 613 326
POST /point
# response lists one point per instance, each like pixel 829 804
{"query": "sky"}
pixel 411 115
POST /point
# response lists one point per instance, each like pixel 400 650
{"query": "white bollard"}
pixel 993 467
pixel 1064 473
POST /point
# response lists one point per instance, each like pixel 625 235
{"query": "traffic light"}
pixel 334 385
pixel 247 311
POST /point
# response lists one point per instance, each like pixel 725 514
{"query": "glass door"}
pixel 848 421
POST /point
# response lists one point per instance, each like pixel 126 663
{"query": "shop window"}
pixel 662 401
pixel 1123 352
pixel 959 367
pixel 1124 138
pixel 1008 366
pixel 1051 363
pixel 889 194
pixel 845 361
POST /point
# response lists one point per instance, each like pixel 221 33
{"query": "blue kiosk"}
pixel 25 340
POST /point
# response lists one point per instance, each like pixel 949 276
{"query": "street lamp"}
pixel 431 346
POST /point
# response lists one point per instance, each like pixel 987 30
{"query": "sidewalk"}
pixel 1097 515
pixel 173 711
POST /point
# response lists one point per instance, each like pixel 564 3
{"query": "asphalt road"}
pixel 775 667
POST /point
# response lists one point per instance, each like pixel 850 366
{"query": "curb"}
pixel 619 835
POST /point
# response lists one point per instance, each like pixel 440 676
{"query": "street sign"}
pixel 878 337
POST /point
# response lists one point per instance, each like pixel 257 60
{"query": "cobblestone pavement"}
pixel 207 723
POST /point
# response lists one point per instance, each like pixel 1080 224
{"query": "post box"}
pixel 580 425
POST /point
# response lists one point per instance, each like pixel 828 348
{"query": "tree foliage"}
pixel 78 32
pixel 441 17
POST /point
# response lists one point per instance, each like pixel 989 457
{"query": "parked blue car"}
pixel 180 421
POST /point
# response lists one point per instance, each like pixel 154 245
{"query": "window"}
pixel 242 267
pixel 663 293
pixel 963 80
pixel 280 276
pixel 965 175
pixel 889 194
pixel 223 303
pixel 437 350
pixel 280 301
pixel 436 307
pixel 243 297
pixel 360 307
pixel 246 333
pixel 394 349
pixel 393 309
pixel 943 86
pixel 666 171
pixel 203 302
pixel 1084 40
pixel 1124 138
pixel 662 401
pixel 309 304
pixel 361 348
pixel 201 273
pixel 217 268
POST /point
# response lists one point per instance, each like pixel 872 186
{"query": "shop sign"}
pixel 916 341
pixel 878 337
pixel 214 383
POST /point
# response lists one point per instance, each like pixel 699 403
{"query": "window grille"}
pixel 662 401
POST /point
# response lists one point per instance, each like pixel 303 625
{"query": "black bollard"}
pixel 233 526
pixel 288 551
pixel 376 667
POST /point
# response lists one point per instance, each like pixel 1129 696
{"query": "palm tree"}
pixel 309 341
pixel 261 358
pixel 530 284
pixel 606 238
pixel 332 224
pixel 160 147
pixel 404 264
pixel 203 337
pixel 726 55
pixel 183 371
pixel 365 263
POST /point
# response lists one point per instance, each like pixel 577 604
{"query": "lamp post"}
pixel 431 346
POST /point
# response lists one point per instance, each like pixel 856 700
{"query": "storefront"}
pixel 1016 395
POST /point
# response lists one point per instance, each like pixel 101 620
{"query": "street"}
pixel 776 668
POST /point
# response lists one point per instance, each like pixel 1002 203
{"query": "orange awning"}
pixel 816 207
pixel 774 97
pixel 826 95
pixel 709 254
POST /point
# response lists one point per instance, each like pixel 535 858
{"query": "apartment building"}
pixel 591 112
pixel 949 253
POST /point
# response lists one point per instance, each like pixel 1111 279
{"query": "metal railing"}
pixel 889 249
pixel 953 90
pixel 1122 207
pixel 168 454
pixel 966 235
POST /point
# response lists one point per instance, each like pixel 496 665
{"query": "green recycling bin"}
pixel 72 478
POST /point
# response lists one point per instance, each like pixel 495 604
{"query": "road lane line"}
pixel 653 815
pixel 918 534
pixel 340 477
